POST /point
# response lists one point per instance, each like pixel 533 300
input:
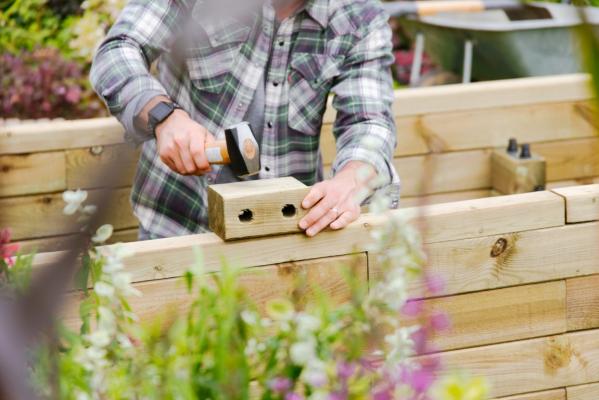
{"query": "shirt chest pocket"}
pixel 210 65
pixel 311 77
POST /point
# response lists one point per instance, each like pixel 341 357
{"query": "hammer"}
pixel 239 150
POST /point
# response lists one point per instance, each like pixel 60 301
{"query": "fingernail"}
pixel 310 232
pixel 302 225
pixel 304 204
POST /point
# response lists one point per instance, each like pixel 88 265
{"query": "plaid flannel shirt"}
pixel 211 69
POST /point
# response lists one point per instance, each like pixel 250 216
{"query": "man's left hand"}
pixel 335 202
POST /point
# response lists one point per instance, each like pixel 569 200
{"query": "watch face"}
pixel 161 112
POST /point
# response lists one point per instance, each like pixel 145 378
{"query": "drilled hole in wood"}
pixel 246 215
pixel 289 211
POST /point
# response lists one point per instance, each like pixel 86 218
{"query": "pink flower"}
pixel 440 322
pixel 435 284
pixel 412 308
pixel 293 396
pixel 280 385
pixel 7 250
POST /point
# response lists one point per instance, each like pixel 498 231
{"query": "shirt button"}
pixel 282 43
pixel 275 83
pixel 270 124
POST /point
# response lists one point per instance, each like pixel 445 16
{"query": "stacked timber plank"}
pixel 445 139
pixel 521 283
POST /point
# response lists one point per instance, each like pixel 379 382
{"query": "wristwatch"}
pixel 159 113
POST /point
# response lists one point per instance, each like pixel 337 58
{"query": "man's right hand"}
pixel 181 144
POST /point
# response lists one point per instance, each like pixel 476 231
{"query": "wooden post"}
pixel 517 171
pixel 256 208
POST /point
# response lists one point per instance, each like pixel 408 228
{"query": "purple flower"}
pixel 345 370
pixel 280 385
pixel 440 322
pixel 412 308
pixel 294 396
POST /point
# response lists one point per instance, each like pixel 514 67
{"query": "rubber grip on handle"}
pixel 217 153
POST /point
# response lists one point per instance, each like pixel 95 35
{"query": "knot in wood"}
pixel 499 247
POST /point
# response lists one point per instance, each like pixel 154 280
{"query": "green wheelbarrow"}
pixel 495 39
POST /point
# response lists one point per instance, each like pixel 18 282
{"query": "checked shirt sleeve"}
pixel 120 71
pixel 364 128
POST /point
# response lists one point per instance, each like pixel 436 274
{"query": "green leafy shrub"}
pixel 42 84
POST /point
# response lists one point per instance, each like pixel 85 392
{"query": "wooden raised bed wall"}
pixel 521 283
pixel 445 137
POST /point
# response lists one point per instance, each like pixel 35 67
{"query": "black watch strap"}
pixel 159 113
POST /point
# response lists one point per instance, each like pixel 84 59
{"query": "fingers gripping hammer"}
pixel 239 150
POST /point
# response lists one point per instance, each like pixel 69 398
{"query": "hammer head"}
pixel 243 149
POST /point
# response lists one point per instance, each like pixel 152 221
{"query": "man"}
pixel 272 64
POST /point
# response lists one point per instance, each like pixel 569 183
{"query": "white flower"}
pixel 306 324
pixel 89 209
pixel 73 200
pixel 315 373
pixel 249 317
pixel 302 353
pixel 103 233
pixel 103 289
pixel 99 338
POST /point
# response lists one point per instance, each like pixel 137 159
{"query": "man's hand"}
pixel 181 144
pixel 335 202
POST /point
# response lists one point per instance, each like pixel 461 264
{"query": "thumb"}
pixel 209 137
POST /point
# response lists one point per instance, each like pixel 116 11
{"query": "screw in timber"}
pixel 96 150
pixel 525 152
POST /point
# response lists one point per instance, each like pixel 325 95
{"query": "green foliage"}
pixel 29 24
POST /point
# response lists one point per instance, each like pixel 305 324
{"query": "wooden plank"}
pixel 56 243
pixel 582 203
pixel 167 258
pixel 583 392
pixel 447 172
pixel 41 216
pixel 484 129
pixel 490 128
pixel 444 198
pixel 531 365
pixel 256 208
pixel 572 159
pixel 572 182
pixel 295 281
pixel 556 394
pixel 583 302
pixel 82 164
pixel 490 94
pixel 484 217
pixel 501 315
pixel 496 261
pixel 32 173
pixel 60 135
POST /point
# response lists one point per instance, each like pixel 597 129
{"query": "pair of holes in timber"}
pixel 247 215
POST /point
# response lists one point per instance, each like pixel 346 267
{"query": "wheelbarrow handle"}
pixel 424 8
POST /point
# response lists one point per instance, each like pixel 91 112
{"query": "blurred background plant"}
pixel 46 48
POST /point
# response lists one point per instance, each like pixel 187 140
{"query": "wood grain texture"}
pixel 41 216
pixel 531 365
pixel 571 159
pixel 582 203
pixel 556 394
pixel 83 164
pixel 167 258
pixel 583 302
pixel 60 135
pixel 256 208
pixel 501 315
pixel 57 243
pixel 497 261
pixel 296 281
pixel 511 174
pixel 32 173
pixel 447 172
pixel 583 392
pixel 483 129
pixel 444 198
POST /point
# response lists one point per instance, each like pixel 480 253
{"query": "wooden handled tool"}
pixel 239 150
pixel 515 9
